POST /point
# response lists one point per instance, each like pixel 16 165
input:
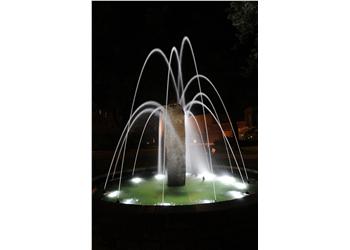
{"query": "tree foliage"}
pixel 244 18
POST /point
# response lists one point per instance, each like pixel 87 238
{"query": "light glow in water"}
pixel 136 180
pixel 227 180
pixel 165 204
pixel 241 185
pixel 129 201
pixel 159 176
pixel 113 194
pixel 207 201
pixel 236 194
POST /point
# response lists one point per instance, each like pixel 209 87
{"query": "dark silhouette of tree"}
pixel 244 18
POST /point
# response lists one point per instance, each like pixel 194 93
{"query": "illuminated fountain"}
pixel 185 173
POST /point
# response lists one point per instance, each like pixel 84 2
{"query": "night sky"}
pixel 123 33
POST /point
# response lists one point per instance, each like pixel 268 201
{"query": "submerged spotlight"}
pixel 129 201
pixel 136 180
pixel 113 194
pixel 165 204
pixel 236 194
pixel 159 176
pixel 207 201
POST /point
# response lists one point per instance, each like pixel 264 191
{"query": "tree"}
pixel 244 18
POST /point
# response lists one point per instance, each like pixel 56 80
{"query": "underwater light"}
pixel 159 176
pixel 129 201
pixel 227 180
pixel 236 194
pixel 206 201
pixel 165 204
pixel 136 180
pixel 241 185
pixel 113 194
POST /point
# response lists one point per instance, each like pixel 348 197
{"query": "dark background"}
pixel 223 36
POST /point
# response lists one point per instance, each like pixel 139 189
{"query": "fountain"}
pixel 186 174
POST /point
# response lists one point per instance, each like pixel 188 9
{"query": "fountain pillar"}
pixel 175 155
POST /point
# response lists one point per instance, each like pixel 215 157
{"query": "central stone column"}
pixel 175 155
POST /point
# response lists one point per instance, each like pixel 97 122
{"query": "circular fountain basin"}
pixel 144 190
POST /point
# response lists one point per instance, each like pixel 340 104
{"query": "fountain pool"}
pixel 147 189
